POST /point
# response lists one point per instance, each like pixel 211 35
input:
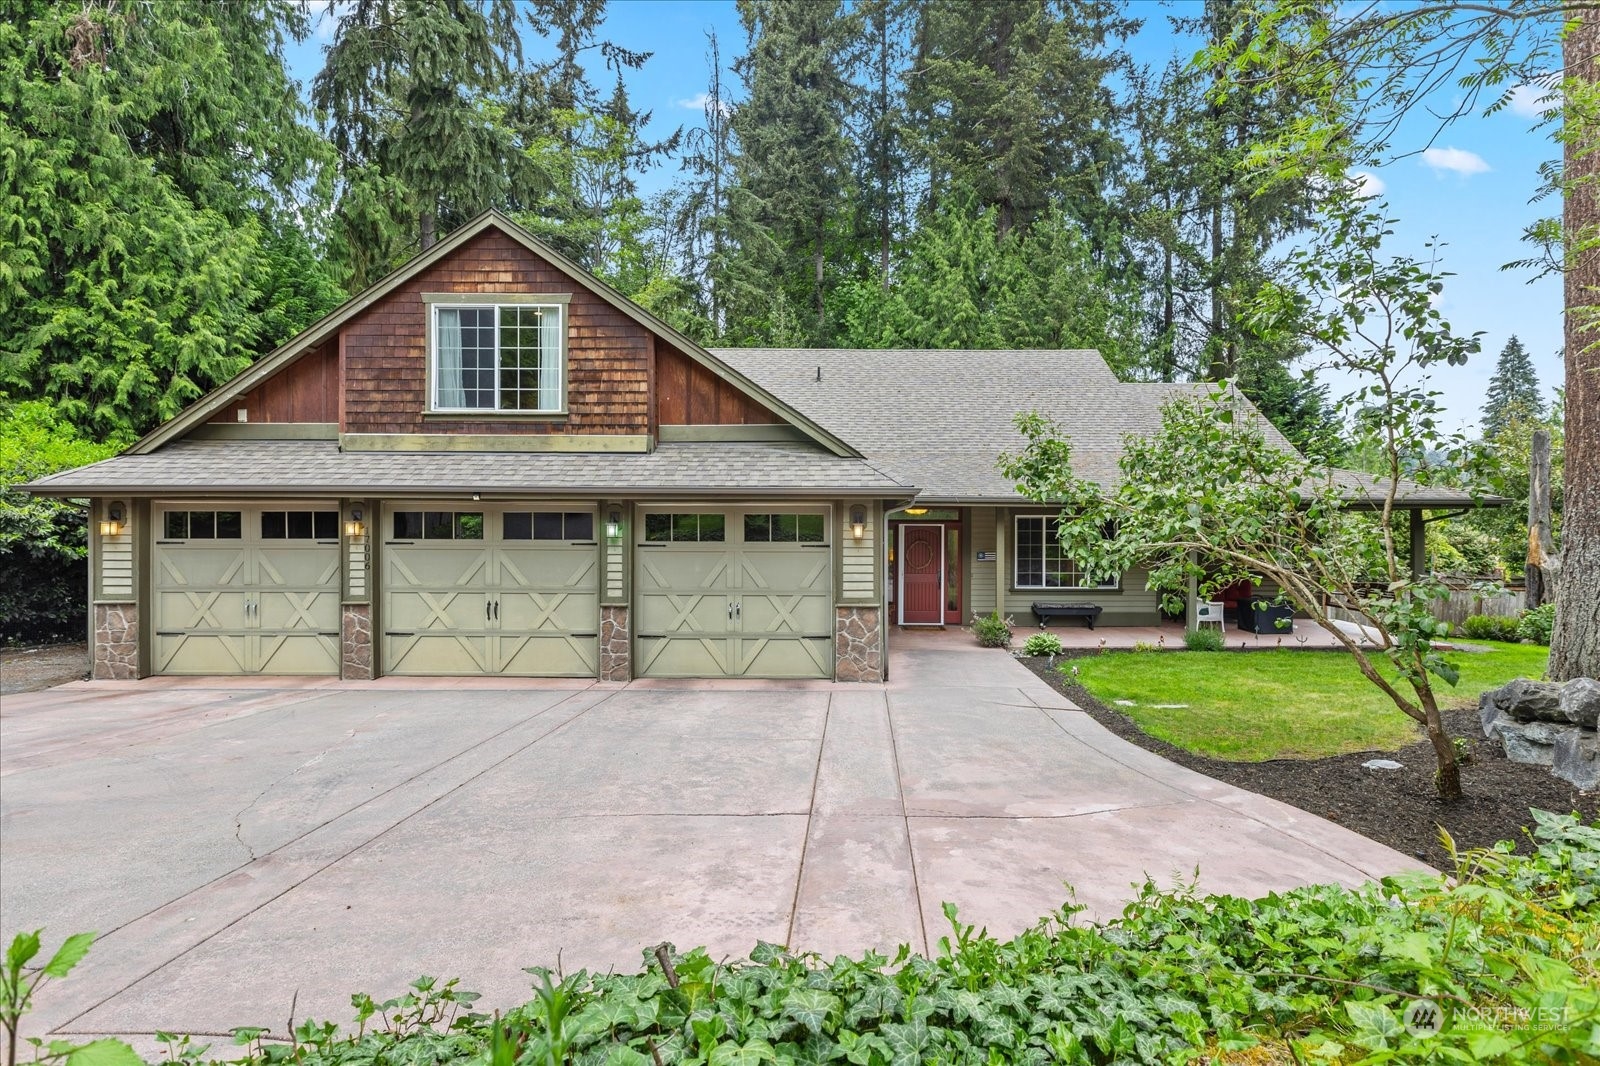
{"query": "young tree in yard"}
pixel 1211 497
pixel 1453 59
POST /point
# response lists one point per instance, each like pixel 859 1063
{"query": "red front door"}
pixel 921 575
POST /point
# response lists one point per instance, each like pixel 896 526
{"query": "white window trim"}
pixel 1016 562
pixel 557 302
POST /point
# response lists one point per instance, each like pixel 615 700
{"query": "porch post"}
pixel 1000 561
pixel 1419 545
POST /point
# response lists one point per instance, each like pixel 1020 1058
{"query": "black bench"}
pixel 1089 612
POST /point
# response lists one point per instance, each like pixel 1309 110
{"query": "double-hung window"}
pixel 498 357
pixel 1042 564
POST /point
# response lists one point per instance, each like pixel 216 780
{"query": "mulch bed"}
pixel 1395 807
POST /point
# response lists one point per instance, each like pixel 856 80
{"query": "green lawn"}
pixel 1249 706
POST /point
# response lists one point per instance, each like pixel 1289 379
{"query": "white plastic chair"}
pixel 1208 612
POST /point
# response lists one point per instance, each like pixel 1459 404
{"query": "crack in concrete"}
pixel 102 1000
pixel 238 818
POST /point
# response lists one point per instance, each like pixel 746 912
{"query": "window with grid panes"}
pixel 1042 564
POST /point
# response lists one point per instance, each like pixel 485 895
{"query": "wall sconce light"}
pixel 355 527
pixel 858 522
pixel 111 525
pixel 614 525
pixel 916 512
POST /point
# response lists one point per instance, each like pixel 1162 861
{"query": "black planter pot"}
pixel 1264 619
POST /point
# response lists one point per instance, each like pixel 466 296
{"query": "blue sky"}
pixel 1471 192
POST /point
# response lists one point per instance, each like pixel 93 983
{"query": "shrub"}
pixel 1489 627
pixel 42 540
pixel 1042 644
pixel 1204 640
pixel 1144 646
pixel 1537 624
pixel 993 631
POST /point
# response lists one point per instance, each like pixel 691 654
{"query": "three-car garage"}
pixel 483 588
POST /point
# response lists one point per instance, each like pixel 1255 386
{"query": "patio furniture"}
pixel 1207 613
pixel 1262 616
pixel 1089 612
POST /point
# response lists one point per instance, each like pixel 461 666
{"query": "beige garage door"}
pixel 734 593
pixel 510 590
pixel 246 590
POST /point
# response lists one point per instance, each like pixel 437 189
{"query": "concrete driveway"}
pixel 238 843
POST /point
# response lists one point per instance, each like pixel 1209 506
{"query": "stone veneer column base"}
pixel 857 644
pixel 616 648
pixel 116 642
pixel 356 638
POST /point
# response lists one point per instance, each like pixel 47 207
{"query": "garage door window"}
pixel 202 525
pixel 678 528
pixel 783 528
pixel 547 525
pixel 299 525
pixel 438 525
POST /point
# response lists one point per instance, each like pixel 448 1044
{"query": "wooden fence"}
pixel 1462 603
pixel 1465 602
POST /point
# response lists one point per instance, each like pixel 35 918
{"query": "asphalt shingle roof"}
pixel 934 421
pixel 299 466
pixel 941 419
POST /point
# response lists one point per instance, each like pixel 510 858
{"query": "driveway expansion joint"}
pixel 810 812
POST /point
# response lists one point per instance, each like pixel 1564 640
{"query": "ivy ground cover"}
pixel 1498 964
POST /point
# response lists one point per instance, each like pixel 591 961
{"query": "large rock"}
pixel 1530 742
pixel 1580 702
pixel 1576 758
pixel 1530 701
pixel 1489 712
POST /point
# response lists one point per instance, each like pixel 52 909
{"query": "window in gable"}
pixel 498 357
pixel 1040 561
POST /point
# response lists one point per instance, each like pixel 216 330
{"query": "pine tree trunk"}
pixel 427 227
pixel 1543 565
pixel 1219 361
pixel 1575 645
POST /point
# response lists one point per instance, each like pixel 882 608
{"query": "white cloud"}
pixel 1532 100
pixel 699 101
pixel 324 17
pixel 1368 183
pixel 1455 160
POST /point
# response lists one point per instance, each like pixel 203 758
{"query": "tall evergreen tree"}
pixel 1017 105
pixel 407 87
pixel 1209 220
pixel 791 168
pixel 157 168
pixel 575 182
pixel 961 285
pixel 878 128
pixel 1513 391
pixel 694 213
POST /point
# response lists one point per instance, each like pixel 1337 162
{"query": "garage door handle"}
pixel 738 609
pixel 497 610
pixel 487 612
